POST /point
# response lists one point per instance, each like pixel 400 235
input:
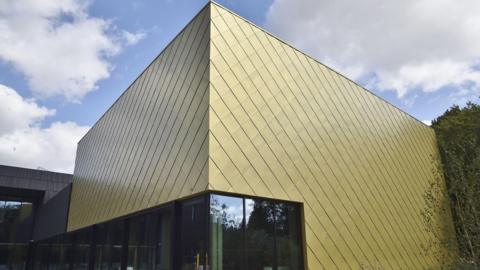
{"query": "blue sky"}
pixel 160 20
pixel 414 65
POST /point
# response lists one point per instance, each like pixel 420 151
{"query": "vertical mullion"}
pixel 207 228
pixel 124 251
pixel 93 248
pixel 31 246
pixel 244 240
pixel 49 252
pixel 300 216
pixel 175 246
pixel 156 236
pixel 29 260
pixel 74 246
pixel 71 254
pixel 274 208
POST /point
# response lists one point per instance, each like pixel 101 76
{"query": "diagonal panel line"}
pixel 360 231
pixel 139 180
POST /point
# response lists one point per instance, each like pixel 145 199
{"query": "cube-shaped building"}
pixel 233 150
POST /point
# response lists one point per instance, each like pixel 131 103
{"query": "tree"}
pixel 458 138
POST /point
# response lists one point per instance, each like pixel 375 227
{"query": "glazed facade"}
pixel 210 231
pixel 277 161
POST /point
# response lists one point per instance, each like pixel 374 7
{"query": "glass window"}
pixel 288 240
pixel 193 232
pixel 226 233
pixel 2 211
pixel 81 253
pixel 60 250
pixel 15 230
pixel 102 247
pixel 13 256
pixel 259 234
pixel 149 242
pixel 141 242
pixel 108 249
pixel 42 254
pixel 164 238
pixel 16 221
pixel 54 256
pixel 238 234
pixel 254 234
pixel 10 213
pixel 24 222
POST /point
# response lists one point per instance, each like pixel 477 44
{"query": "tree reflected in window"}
pixel 259 234
pixel 16 221
pixel 254 234
pixel 209 232
pixel 287 231
pixel 226 241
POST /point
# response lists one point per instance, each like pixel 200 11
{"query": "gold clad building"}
pixel 235 151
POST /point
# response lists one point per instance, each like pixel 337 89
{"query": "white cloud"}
pixel 52 148
pixel 58 46
pixel 24 143
pixel 405 45
pixel 133 38
pixel 18 113
pixel 427 122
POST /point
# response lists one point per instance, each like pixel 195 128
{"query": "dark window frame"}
pixel 175 208
pixel 299 224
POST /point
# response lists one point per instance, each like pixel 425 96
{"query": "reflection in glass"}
pixel 141 242
pixel 60 249
pixel 242 234
pixel 15 221
pixel 193 235
pixel 149 242
pixel 24 222
pixel 259 234
pixel 254 234
pixel 9 221
pixel 13 256
pixel 226 232
pixel 109 246
pixel 287 230
pixel 55 255
pixel 81 254
pixel 42 253
pixel 164 236
pixel 65 252
pixel 15 231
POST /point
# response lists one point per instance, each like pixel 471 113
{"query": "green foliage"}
pixel 436 218
pixel 458 136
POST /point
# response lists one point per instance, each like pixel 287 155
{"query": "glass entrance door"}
pixel 193 235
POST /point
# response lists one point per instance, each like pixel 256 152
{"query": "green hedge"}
pixel 458 136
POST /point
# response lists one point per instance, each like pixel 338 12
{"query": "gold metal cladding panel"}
pixel 282 125
pixel 228 107
pixel 151 146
